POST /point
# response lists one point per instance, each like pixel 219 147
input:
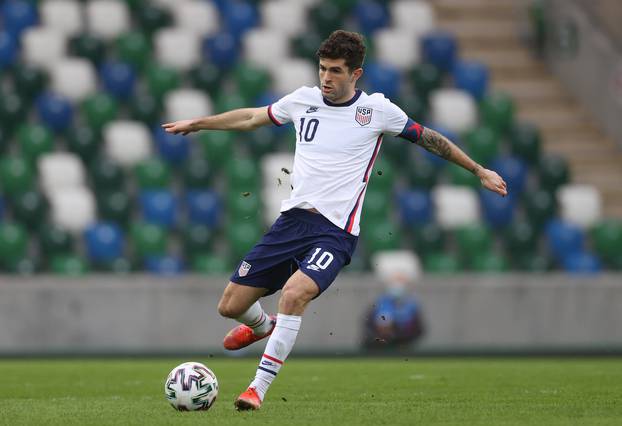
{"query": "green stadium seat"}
pixel 217 147
pixel 261 141
pixel 23 266
pixel 526 142
pixel 251 81
pixel 497 112
pixel 34 140
pixel 134 48
pixel 426 78
pixel 207 77
pixel 441 263
pixel 54 240
pixel 115 206
pixel 520 238
pixel 242 207
pixel 242 175
pixel 148 240
pixel 106 175
pixel 13 242
pixel 197 173
pixel 16 175
pixel 306 44
pixel 422 174
pixel 242 236
pixel 146 108
pixel 29 81
pixel 84 142
pixel 152 18
pixel 197 239
pixel 482 144
pixel 397 151
pixel 152 174
pixel 540 206
pixel 161 80
pixel 5 140
pixel 488 262
pixel 553 172
pixel 462 177
pixel 120 265
pixel 375 208
pixel 382 176
pixel 380 236
pixel 414 106
pixel 99 109
pixel 12 110
pixel 210 264
pixel 228 101
pixel 533 262
pixel 69 265
pixel 89 47
pixel 607 239
pixel 428 238
pixel 326 17
pixel 29 208
pixel 473 239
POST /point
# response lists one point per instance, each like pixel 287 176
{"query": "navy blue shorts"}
pixel 299 239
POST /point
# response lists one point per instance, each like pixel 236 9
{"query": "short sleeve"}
pixel 280 111
pixel 394 118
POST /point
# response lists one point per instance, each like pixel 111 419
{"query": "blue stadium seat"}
pixel 174 149
pixel 104 242
pixel 118 79
pixel 440 48
pixel 415 207
pixel 221 49
pixel 513 170
pixel 497 211
pixel 203 207
pixel 582 263
pixel 370 16
pixel 382 78
pixel 239 16
pixel 473 77
pixel 55 112
pixel 159 207
pixel 1 207
pixel 18 15
pixel 164 265
pixel 8 50
pixel 564 238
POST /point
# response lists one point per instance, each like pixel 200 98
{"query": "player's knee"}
pixel 294 298
pixel 227 309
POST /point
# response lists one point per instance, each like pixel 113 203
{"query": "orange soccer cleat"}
pixel 248 400
pixel 242 336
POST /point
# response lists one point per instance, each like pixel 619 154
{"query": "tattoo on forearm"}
pixel 435 143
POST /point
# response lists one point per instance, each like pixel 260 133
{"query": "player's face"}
pixel 336 80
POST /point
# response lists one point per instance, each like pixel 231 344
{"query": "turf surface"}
pixel 336 391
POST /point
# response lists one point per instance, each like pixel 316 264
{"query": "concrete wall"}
pixel 109 314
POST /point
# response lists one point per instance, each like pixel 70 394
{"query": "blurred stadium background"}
pixel 116 237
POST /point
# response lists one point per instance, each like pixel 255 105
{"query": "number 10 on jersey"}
pixel 307 133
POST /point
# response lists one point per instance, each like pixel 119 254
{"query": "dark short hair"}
pixel 344 45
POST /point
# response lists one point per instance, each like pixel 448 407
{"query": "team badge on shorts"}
pixel 244 268
pixel 363 115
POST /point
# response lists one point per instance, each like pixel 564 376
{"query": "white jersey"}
pixel 336 146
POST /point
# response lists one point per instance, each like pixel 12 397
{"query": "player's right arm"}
pixel 237 119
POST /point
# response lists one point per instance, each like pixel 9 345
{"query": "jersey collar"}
pixel 357 94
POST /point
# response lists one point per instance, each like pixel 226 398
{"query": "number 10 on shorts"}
pixel 323 260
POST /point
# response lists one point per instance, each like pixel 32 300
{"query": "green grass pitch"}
pixel 339 391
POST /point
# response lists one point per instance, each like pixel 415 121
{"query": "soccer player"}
pixel 339 131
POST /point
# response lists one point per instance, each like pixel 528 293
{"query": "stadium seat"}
pixel 197 173
pixel 426 78
pixel 221 49
pixel 1 207
pixel 152 17
pixel 29 208
pixel 148 240
pixel 107 19
pixel 16 175
pixel 69 265
pixel 472 77
pixel 54 111
pixel 415 207
pixel 106 175
pixel 134 48
pixel 497 211
pixel 13 241
pixel 455 206
pixel 525 141
pixel 25 266
pixel 414 106
pixel 104 242
pixel 17 16
pixel 118 78
pixel 99 110
pixel 12 110
pixel 482 144
pixel 186 103
pixel 164 265
pixel 370 16
pixel 177 48
pixel 146 108
pixel 453 109
pixel 54 240
pixel 291 74
pixel 440 48
pixel 242 175
pixel 204 208
pixel 62 15
pixel 240 17
pixel 396 47
pixel 520 238
pixel 115 207
pixel 287 17
pixel 152 173
pixel 127 142
pixel 382 78
pixel 74 79
pixel 325 17
pixel 242 236
pixel 473 239
pixel 416 17
pixel 553 172
pixel 251 81
pixel 34 140
pixel 174 149
pixel 60 170
pixel 422 175
pixel 441 263
pixel 489 262
pixel 533 262
pixel 73 209
pixel 582 263
pixel 200 17
pixel 513 170
pixel 428 238
pixel 459 176
pixel 29 81
pixel 217 147
pixel 207 77
pixel 580 204
pixel 162 80
pixel 386 264
pixel 210 264
pixel 497 111
pixel 159 207
pixel 43 47
pixel 197 240
pixel 564 239
pixel 540 206
pixel 306 44
pixel 375 207
pixel 381 236
pixel 606 239
pixel 8 50
pixel 264 48
pixel 245 207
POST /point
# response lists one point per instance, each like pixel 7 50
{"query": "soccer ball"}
pixel 191 386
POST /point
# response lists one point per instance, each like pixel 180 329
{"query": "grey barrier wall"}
pixel 145 314
pixel 587 61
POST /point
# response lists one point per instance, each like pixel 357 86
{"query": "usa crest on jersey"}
pixel 244 268
pixel 363 115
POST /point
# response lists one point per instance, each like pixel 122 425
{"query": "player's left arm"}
pixel 434 142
